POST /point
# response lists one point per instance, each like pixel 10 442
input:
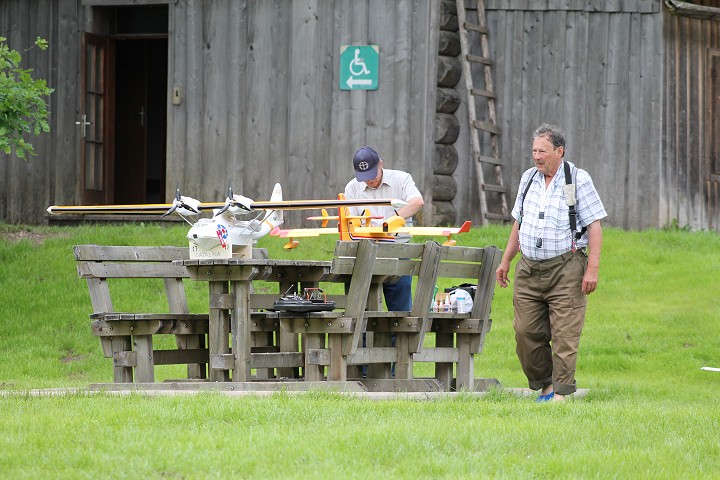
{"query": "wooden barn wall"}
pixel 27 188
pixel 683 189
pixel 593 68
pixel 261 101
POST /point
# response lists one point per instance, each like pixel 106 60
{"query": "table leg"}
pixel 240 330
pixel 218 331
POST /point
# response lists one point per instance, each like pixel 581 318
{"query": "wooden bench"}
pixel 127 337
pixel 459 336
pixel 362 267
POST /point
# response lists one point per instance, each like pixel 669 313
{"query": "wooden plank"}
pixel 357 292
pixel 574 118
pixel 437 355
pixel 181 356
pixel 130 270
pixel 402 385
pixel 424 297
pixel 553 68
pixel 103 253
pixel 465 372
pixel 277 360
pixel 457 326
pixel 218 333
pixel 486 284
pixel 318 356
pixel 269 386
pixel 337 370
pixel 486 127
pixel 314 365
pixel 644 6
pixel 364 356
pixel 648 131
pixel 102 328
pixel 385 250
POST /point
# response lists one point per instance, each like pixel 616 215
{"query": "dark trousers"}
pixel 398 295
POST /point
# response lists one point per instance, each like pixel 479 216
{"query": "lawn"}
pixel 650 412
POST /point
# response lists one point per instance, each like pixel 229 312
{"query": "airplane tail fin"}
pixel 276 216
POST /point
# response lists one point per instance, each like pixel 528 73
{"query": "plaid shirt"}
pixel 554 227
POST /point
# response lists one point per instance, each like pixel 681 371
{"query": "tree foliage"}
pixel 23 109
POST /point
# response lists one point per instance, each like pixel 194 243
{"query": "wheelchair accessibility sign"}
pixel 359 67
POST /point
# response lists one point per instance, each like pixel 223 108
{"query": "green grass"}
pixel 651 412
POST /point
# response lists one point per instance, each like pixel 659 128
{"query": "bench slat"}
pixel 102 253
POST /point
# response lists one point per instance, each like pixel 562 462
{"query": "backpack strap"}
pixel 571 200
pixel 522 200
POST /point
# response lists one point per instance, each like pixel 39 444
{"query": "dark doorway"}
pixel 140 120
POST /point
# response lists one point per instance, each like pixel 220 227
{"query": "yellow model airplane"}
pixel 357 227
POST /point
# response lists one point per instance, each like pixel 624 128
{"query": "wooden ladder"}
pixel 487 125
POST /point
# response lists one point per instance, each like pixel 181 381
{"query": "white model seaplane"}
pixel 224 235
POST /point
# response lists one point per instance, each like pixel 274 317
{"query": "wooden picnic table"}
pixel 230 318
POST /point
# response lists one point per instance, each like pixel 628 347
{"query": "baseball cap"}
pixel 366 162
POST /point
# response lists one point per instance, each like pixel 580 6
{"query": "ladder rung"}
pixel 498 216
pixel 482 93
pixel 488 127
pixel 476 28
pixel 494 188
pixel 477 59
pixel 493 160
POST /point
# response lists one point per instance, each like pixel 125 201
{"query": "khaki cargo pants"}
pixel 549 317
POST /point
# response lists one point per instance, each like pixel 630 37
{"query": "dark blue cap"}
pixel 366 162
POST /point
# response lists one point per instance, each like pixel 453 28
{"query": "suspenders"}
pixel 570 190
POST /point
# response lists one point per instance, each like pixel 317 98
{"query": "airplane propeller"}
pixel 228 201
pixel 237 204
pixel 187 206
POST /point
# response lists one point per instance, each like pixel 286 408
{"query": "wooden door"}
pixel 96 104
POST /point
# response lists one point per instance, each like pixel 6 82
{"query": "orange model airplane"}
pixel 357 227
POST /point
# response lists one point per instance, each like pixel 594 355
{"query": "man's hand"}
pixel 590 281
pixel 501 274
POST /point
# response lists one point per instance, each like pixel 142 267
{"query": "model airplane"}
pixel 224 235
pixel 357 227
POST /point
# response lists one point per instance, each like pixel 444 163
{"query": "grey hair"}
pixel 552 133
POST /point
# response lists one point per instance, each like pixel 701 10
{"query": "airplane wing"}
pixel 393 226
pixel 302 232
pixel 161 208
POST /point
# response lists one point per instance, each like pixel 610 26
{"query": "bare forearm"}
pixel 512 248
pixel 414 206
pixel 594 246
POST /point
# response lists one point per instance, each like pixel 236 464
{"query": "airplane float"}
pixel 357 227
pixel 224 235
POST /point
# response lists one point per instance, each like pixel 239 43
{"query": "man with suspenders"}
pixel 557 230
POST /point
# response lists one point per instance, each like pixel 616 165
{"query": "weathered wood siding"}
pixel 262 103
pixel 683 190
pixel 593 68
pixel 27 188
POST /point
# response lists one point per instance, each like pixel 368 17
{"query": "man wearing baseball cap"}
pixel 372 181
